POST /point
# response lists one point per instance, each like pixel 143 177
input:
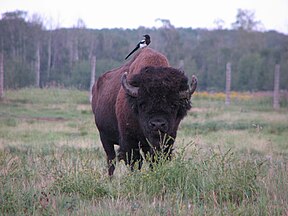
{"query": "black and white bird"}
pixel 143 43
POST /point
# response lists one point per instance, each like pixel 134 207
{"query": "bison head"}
pixel 160 98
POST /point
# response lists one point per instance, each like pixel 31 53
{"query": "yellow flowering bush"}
pixel 221 95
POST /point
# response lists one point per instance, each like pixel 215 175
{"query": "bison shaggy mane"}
pixel 161 84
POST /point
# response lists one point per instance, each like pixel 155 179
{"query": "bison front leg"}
pixel 129 152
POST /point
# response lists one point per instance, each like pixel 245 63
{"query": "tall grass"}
pixel 56 181
pixel 235 162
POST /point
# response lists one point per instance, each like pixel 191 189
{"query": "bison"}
pixel 138 105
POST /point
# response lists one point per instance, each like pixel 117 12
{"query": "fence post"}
pixel 92 80
pixel 276 104
pixel 228 83
pixel 1 75
pixel 37 65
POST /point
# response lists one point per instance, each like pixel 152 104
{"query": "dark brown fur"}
pixel 126 121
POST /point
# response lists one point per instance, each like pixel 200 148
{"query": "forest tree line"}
pixel 36 56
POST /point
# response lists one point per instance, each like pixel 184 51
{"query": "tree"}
pixel 249 67
pixel 165 23
pixel 16 34
pixel 36 25
pixel 245 20
pixel 219 23
pixel 64 54
pixel 169 40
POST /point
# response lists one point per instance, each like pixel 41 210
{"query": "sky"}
pixel 98 14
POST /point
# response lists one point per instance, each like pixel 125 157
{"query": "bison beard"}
pixel 141 110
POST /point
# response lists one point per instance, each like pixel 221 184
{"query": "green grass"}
pixel 227 161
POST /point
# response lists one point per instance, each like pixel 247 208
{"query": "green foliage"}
pixel 80 76
pixel 20 74
pixel 249 67
pixel 65 54
pixel 106 64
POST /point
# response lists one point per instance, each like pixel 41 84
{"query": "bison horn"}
pixel 129 89
pixel 188 93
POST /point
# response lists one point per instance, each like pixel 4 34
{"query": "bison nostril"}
pixel 158 124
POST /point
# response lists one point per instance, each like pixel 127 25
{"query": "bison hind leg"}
pixel 108 146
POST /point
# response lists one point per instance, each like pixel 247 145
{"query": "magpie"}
pixel 143 43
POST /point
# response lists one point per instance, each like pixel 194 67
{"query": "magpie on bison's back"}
pixel 138 104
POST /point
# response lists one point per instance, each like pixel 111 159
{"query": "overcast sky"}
pixel 133 13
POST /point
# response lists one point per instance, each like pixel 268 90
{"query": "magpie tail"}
pixel 131 52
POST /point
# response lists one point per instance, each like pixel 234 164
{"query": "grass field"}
pixel 228 160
